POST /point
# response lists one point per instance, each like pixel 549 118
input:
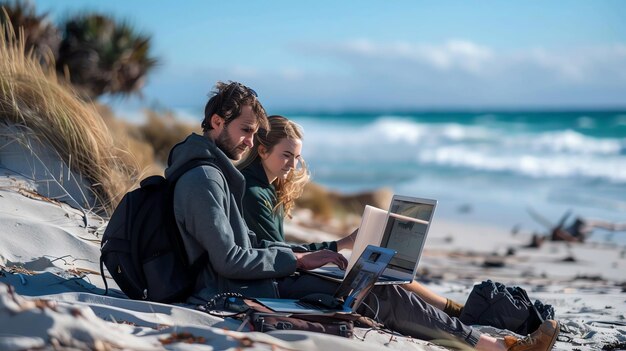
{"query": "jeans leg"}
pixel 408 314
pixel 398 309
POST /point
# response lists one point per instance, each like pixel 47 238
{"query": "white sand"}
pixel 50 260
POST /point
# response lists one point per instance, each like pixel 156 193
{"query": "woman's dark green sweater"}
pixel 258 204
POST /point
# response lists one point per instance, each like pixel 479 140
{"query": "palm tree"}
pixel 40 35
pixel 101 56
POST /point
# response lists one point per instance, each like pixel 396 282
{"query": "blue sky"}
pixel 380 55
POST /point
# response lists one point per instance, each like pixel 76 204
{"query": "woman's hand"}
pixel 311 260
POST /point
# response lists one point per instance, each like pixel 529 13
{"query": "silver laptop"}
pixel 357 284
pixel 403 229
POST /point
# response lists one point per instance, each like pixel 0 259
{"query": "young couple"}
pixel 211 202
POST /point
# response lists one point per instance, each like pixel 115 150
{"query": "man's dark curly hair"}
pixel 227 101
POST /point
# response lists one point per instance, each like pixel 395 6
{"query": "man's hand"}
pixel 311 260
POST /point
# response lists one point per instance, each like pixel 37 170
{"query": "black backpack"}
pixel 142 247
pixel 494 304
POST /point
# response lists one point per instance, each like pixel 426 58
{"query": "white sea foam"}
pixel 391 131
pixel 537 166
pixel 485 148
pixel 397 130
pixel 569 141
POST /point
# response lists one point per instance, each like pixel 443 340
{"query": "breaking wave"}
pixel 488 147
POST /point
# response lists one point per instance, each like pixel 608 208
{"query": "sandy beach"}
pixel 64 167
pixel 51 294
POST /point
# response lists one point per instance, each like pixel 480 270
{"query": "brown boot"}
pixel 541 339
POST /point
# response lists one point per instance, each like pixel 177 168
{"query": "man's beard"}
pixel 228 146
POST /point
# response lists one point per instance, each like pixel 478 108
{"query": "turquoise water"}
pixel 484 167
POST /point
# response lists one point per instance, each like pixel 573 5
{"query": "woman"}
pixel 274 182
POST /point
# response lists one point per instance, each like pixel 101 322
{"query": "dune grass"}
pixel 151 141
pixel 33 98
pixel 162 131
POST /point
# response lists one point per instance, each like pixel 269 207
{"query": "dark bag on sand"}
pixel 142 247
pixel 262 319
pixel 494 304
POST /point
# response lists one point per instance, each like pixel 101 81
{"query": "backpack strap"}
pixel 104 279
pixel 189 165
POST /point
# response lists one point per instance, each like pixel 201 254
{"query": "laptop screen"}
pixel 362 277
pixel 405 232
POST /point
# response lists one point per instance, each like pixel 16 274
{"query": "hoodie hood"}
pixel 255 174
pixel 198 147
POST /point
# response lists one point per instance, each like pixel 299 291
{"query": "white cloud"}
pixel 454 54
pixel 469 55
pixel 577 64
pixel 465 56
pixel 362 46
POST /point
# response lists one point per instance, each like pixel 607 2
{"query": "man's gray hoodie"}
pixel 208 210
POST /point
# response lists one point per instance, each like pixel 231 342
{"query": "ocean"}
pixel 511 169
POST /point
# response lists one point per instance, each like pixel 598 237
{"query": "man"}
pixel 207 205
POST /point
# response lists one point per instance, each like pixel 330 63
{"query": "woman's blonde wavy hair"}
pixel 288 190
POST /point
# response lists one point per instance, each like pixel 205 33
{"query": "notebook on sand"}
pixel 403 229
pixel 357 284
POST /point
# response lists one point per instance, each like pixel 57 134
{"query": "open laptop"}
pixel 357 284
pixel 403 229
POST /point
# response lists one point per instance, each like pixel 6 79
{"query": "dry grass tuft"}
pixel 318 200
pixel 326 204
pixel 33 97
pixel 162 131
pixel 150 142
pixel 128 137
